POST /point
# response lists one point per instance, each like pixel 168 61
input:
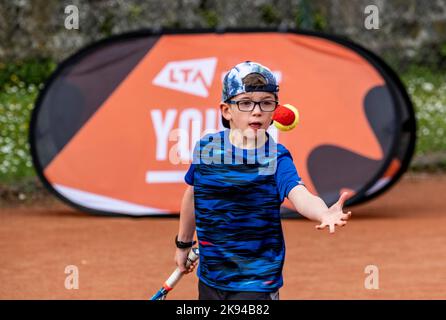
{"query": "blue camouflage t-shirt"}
pixel 237 197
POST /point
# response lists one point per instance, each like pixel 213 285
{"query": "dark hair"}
pixel 252 80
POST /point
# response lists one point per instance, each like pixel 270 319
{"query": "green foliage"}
pixel 443 52
pixel 308 18
pixel 16 104
pixel 427 90
pixel 19 85
pixel 135 11
pixel 210 17
pixel 320 21
pixel 208 13
pixel 34 71
pixel 106 25
pixel 270 15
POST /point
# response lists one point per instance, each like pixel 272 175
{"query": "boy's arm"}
pixel 186 230
pixel 314 208
pixel 187 216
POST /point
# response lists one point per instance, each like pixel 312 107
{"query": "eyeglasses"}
pixel 249 105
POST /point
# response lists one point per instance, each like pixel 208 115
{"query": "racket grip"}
pixel 176 275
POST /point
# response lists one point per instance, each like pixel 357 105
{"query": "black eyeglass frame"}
pixel 237 102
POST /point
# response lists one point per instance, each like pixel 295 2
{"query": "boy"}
pixel 237 182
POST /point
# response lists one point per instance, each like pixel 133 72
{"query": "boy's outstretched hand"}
pixel 334 216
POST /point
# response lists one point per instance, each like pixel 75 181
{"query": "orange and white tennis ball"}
pixel 286 117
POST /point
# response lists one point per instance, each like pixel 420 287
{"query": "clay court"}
pixel 403 233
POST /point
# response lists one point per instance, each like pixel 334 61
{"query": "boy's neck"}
pixel 241 141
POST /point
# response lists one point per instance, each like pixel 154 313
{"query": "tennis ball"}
pixel 286 117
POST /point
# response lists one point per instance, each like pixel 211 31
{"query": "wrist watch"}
pixel 183 245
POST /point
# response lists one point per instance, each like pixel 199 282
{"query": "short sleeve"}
pixel 189 177
pixel 286 176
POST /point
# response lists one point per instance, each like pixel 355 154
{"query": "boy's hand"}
pixel 335 216
pixel 181 259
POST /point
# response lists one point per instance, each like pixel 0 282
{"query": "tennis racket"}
pixel 175 277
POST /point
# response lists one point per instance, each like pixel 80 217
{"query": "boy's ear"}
pixel 224 108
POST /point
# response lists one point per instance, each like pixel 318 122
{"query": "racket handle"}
pixel 176 275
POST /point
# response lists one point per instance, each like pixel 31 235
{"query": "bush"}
pixel 29 72
pixel 427 90
pixel 19 85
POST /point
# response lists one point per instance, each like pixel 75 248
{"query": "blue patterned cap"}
pixel 233 81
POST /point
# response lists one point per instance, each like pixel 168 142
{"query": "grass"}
pixel 426 88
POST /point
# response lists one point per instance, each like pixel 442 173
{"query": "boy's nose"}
pixel 257 109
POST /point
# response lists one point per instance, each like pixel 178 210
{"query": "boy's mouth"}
pixel 255 125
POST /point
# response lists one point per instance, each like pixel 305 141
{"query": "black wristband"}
pixel 183 245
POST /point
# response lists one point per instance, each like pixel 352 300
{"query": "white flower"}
pixel 427 86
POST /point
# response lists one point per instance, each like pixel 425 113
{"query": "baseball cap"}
pixel 233 81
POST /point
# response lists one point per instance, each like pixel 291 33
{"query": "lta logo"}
pixel 190 76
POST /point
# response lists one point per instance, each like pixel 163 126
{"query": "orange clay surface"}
pixel 403 233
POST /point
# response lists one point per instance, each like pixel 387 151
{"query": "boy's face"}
pixel 243 120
